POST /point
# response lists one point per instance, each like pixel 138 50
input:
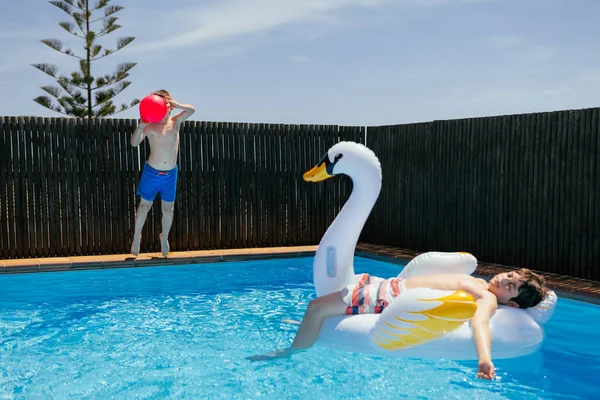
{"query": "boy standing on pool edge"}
pixel 160 171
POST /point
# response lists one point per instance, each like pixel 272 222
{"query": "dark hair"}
pixel 162 93
pixel 532 290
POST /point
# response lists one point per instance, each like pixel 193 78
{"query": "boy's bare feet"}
pixel 135 246
pixel 164 245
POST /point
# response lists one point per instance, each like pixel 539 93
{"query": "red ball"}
pixel 153 108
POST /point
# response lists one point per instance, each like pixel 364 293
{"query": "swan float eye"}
pixel 330 166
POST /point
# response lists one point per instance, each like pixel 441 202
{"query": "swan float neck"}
pixel 336 249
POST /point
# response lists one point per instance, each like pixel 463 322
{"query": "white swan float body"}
pixel 420 322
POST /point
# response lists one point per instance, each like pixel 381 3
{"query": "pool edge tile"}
pixel 564 286
pixel 21 266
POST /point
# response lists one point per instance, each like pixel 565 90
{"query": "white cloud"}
pixel 232 18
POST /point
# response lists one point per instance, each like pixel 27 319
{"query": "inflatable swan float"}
pixel 420 322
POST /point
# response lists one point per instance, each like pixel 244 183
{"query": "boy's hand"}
pixel 486 370
pixel 172 103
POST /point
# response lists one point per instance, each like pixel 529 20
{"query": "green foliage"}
pixel 80 94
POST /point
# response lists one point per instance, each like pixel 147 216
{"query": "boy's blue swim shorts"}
pixel 154 181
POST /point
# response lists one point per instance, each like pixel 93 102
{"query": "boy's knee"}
pixel 167 209
pixel 143 208
pixel 315 306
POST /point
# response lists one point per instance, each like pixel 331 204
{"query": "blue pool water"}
pixel 184 332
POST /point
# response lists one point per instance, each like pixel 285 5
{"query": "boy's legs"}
pixel 317 310
pixel 140 219
pixel 167 221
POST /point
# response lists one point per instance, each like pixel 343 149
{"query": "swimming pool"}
pixel 184 332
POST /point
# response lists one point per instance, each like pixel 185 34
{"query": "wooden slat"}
pixel 586 190
pixel 70 199
pixel 103 186
pixel 20 191
pixel 30 199
pixel 472 194
pixel 247 184
pixel 38 169
pixel 594 260
pixel 205 229
pixel 9 124
pixel 577 224
pixel 214 214
pixel 238 183
pixel 226 186
pixel 4 183
pixel 542 188
pixel 191 216
pixel 495 188
pixel 551 248
pixel 205 223
pixel 113 187
pixel 122 213
pixel 568 193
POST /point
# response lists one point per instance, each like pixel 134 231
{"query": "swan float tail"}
pixel 333 267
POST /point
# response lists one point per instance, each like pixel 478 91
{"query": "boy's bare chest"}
pixel 166 135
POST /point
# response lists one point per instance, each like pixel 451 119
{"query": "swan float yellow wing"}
pixel 419 316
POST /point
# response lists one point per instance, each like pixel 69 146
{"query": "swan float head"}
pixel 347 158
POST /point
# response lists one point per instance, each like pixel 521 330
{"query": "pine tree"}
pixel 81 94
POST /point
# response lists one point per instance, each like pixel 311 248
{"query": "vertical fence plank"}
pixel 70 201
pixel 5 177
pixel 40 174
pixel 594 260
pixel 586 188
pixel 114 216
pixel 204 221
pixel 214 205
pixel 29 240
pixel 103 182
pixel 551 248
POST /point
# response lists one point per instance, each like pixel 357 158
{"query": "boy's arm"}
pixel 187 112
pixel 138 135
pixel 480 326
pixel 486 305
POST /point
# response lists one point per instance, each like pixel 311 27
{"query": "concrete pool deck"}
pixel 573 288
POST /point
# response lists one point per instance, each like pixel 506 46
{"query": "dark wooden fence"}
pixel 67 186
pixel 520 190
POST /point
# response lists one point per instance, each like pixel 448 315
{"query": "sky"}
pixel 342 62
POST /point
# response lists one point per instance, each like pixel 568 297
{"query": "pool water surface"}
pixel 185 332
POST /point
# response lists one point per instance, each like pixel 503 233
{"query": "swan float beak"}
pixel 319 172
pixel 323 170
